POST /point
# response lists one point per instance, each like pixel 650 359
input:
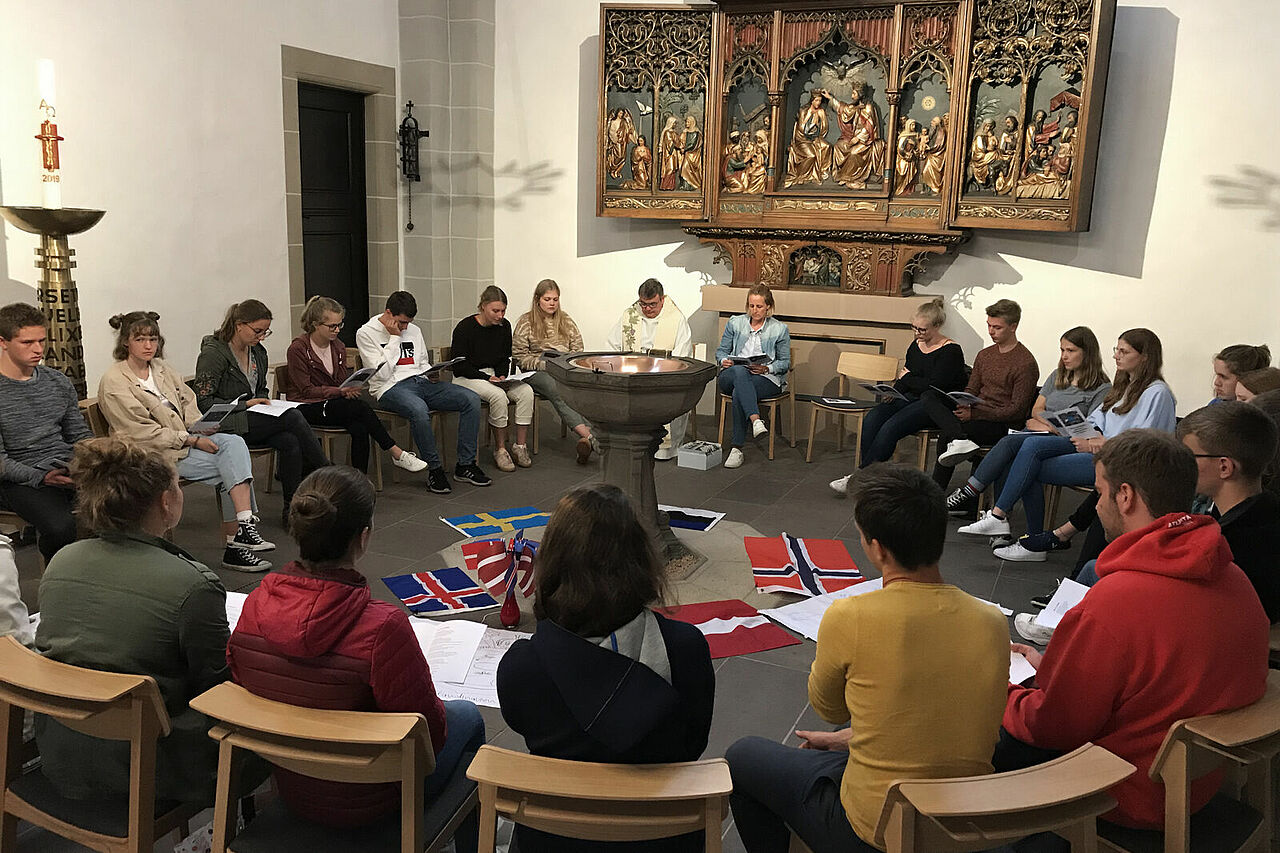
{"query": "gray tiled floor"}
pixel 762 694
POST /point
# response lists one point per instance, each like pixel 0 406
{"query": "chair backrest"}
pixel 600 802
pixel 93 416
pixel 280 381
pixel 114 706
pixel 340 746
pixel 976 812
pixel 867 365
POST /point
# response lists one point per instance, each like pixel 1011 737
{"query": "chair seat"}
pixel 275 830
pixel 1222 826
pixel 103 815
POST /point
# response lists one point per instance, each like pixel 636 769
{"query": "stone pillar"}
pixel 627 460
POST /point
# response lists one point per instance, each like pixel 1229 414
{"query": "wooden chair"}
pixel 1063 796
pixel 1275 646
pixel 106 705
pixel 327 435
pixel 1248 738
pixel 1053 497
pixel 772 405
pixel 852 365
pixel 600 802
pixel 341 746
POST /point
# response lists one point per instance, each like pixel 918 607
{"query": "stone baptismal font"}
pixel 628 399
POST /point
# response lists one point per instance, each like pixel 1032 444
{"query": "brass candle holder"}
pixel 57 294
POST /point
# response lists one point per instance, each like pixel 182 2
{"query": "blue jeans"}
pixel 1088 575
pixel 417 397
pixel 224 470
pixel 465 737
pixel 746 388
pixel 780 789
pixel 1042 460
pixel 998 460
pixel 887 424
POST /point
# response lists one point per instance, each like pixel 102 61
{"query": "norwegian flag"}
pixel 495 561
pixel 439 591
pixel 804 566
pixel 732 627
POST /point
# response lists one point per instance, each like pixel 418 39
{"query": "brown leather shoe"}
pixel 584 450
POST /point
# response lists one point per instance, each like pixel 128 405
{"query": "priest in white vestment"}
pixel 655 322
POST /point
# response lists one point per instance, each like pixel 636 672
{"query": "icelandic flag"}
pixel 499 522
pixel 496 561
pixel 691 519
pixel 439 591
pixel 803 566
pixel 732 627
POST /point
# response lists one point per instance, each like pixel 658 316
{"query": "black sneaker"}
pixel 1040 602
pixel 438 482
pixel 962 504
pixel 243 560
pixel 472 474
pixel 1043 541
pixel 247 537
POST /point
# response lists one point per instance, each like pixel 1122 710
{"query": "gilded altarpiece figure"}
pixel 745 163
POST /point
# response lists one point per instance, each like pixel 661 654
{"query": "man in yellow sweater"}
pixel 920 668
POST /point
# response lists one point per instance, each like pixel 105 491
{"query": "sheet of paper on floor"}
pixel 1068 594
pixel 803 617
pixel 479 682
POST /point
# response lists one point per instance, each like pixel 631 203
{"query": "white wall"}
pixel 172 113
pixel 1184 104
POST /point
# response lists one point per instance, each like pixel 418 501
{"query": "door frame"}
pixel 381 168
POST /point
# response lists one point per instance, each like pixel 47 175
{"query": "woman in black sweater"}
pixel 605 678
pixel 932 359
pixel 485 340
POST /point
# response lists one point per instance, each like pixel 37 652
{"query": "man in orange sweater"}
pixel 1172 629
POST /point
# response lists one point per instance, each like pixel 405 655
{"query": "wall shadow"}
pixel 1134 123
pixel 1251 188
pixel 12 290
pixel 599 235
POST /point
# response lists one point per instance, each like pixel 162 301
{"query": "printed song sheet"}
pixel 448 647
pixel 481 685
pixel 1069 594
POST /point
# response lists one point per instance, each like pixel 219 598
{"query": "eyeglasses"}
pixel 919 330
pixel 1210 456
pixel 260 333
pixel 654 304
pixel 333 327
pixel 1118 351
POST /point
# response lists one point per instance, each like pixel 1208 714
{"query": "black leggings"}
pixel 48 508
pixel 297 448
pixel 357 418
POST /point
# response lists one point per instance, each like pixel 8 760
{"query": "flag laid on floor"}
pixel 498 522
pixel 803 566
pixel 439 591
pixel 691 519
pixel 496 561
pixel 733 627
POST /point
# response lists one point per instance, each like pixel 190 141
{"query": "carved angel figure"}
pixel 620 134
pixel 809 157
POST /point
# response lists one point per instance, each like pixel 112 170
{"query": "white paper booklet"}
pixel 361 377
pixel 1067 596
pixel 1071 423
pixel 211 420
pixel 274 408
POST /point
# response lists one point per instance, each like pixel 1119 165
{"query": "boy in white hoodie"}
pixel 391 342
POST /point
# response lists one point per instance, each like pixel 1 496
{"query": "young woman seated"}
pixel 1232 363
pixel 484 339
pixel 130 601
pixel 756 334
pixel 545 326
pixel 145 400
pixel 317 363
pixel 604 677
pixel 1255 382
pixel 1079 382
pixel 232 365
pixel 1138 399
pixel 932 361
pixel 312 635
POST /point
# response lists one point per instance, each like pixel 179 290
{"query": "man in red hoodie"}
pixel 1172 629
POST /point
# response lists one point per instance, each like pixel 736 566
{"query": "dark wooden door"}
pixel 334 228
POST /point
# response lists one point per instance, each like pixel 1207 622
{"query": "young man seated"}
pixel 1172 629
pixel 1005 375
pixel 391 342
pixel 40 420
pixel 919 668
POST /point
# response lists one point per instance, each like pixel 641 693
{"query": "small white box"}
pixel 701 455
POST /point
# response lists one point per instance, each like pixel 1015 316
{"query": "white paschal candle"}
pixel 50 181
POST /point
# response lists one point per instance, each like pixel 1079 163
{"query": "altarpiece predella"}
pixel 831 145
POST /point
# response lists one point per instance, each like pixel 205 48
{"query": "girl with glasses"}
pixel 317 368
pixel 233 364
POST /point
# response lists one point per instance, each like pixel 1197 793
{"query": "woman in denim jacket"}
pixel 766 342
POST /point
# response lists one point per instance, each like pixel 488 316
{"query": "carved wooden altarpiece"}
pixel 831 146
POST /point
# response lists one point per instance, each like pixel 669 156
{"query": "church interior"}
pixel 546 140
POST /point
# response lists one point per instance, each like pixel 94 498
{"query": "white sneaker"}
pixel 758 428
pixel 409 461
pixel 734 459
pixel 1019 554
pixel 956 452
pixel 841 486
pixel 988 524
pixel 1028 629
